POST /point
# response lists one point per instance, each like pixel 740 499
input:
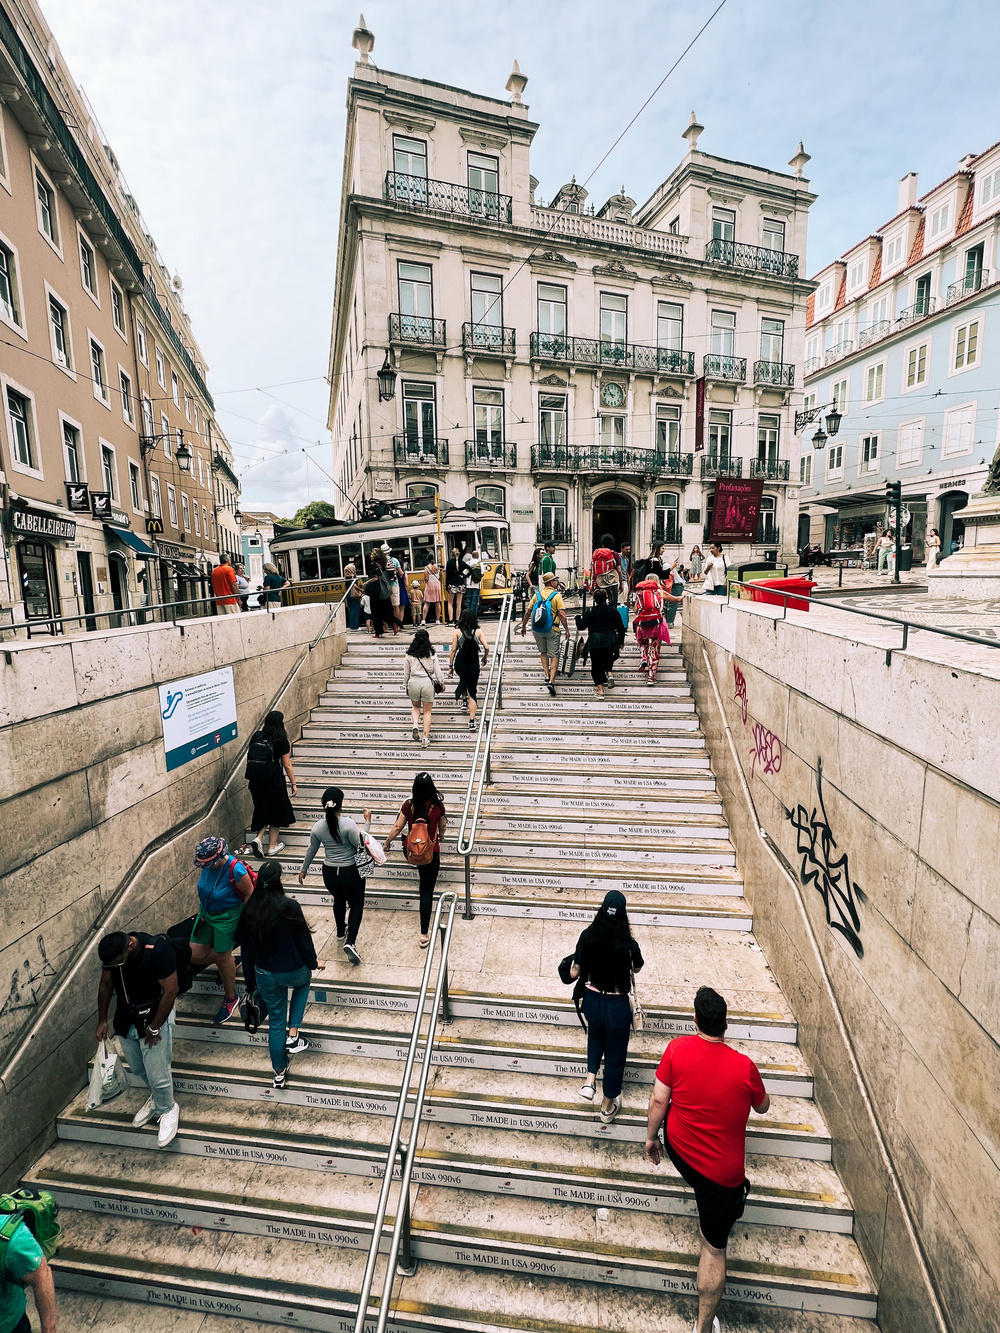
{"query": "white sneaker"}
pixel 144 1114
pixel 716 1326
pixel 168 1126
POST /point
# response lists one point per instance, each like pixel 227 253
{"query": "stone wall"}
pixel 87 808
pixel 876 786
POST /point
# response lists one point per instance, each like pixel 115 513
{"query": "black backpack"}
pixel 260 759
pixel 179 938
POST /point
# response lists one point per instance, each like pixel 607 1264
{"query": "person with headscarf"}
pixel 223 887
pixel 340 839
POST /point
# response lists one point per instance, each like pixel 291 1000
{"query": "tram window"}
pixel 460 539
pixel 423 550
pixel 284 563
pixel 504 546
pixel 400 548
pixel 489 544
pixel 308 563
pixel 352 551
pixel 329 562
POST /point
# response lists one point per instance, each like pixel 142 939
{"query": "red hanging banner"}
pixel 699 415
pixel 736 508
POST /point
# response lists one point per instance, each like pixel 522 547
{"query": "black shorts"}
pixel 720 1207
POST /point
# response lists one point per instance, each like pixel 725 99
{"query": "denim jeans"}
pixel 353 612
pixel 151 1064
pixel 274 987
pixel 471 602
pixel 609 1024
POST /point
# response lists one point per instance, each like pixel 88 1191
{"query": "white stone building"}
pixel 549 357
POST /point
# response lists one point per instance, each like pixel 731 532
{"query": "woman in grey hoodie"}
pixel 340 838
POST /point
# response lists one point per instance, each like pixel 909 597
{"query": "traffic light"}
pixel 894 493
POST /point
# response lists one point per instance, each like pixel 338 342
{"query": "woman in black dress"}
pixel 603 624
pixel 272 810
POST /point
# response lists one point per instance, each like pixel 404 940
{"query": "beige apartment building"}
pixel 578 370
pixel 110 456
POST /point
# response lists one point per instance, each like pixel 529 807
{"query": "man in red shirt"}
pixel 708 1089
pixel 225 587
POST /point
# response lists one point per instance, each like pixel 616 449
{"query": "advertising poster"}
pixel 736 508
pixel 199 714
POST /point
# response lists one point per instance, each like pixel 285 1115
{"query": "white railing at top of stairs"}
pixel 479 773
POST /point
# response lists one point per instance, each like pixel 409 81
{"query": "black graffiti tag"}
pixel 24 993
pixel 830 874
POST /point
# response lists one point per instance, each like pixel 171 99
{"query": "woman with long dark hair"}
pixel 278 960
pixel 424 806
pixel 272 810
pixel 340 838
pixel 466 645
pixel 605 958
pixel 421 672
pixel 603 624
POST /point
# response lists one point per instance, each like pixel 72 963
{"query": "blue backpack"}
pixel 541 617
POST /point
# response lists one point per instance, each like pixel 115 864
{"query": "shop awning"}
pixel 143 551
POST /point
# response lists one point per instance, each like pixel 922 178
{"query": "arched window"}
pixel 553 516
pixel 767 530
pixel 666 527
pixel 421 490
pixel 491 497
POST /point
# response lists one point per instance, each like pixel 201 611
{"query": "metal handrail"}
pixel 401 1227
pixel 492 699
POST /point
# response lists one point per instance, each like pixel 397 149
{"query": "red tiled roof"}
pixel 810 308
pixel 876 276
pixel 842 293
pixel 917 248
pixel 873 237
pixel 895 218
pixel 965 217
pixel 979 156
pixel 954 176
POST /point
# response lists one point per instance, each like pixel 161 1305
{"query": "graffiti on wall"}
pixel 25 982
pixel 766 752
pixel 741 697
pixel 821 867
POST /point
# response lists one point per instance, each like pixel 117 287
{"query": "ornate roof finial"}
pixel 692 132
pixel 363 40
pixel 799 160
pixel 516 84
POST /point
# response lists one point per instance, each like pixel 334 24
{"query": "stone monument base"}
pixel 974 571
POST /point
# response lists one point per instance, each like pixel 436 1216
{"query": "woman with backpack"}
pixel 279 959
pixel 342 841
pixel 606 570
pixel 422 679
pixel 454 587
pixel 224 885
pixel 379 590
pixel 604 962
pixel 426 823
pixel 547 613
pixel 269 759
pixel 603 624
pixel 649 625
pixel 466 645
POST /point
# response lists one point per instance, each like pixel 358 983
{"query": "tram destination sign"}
pixel 35 523
pixel 198 715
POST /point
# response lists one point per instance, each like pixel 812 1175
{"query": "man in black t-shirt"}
pixel 141 971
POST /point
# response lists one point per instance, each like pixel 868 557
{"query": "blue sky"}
pixel 227 117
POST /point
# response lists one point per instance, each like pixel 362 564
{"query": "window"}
pixel 823 297
pixel 204 525
pixel 487 302
pixel 147 416
pixel 772 340
pixel 161 374
pixel 910 443
pixel 809 402
pixel 419 426
pixel 875 383
pixel 812 352
pixel 553 515
pixel 835 462
pixel 59 320
pixel 893 252
pixel 109 472
pixel 990 188
pixel 175 389
pixel 8 287
pixel 878 311
pixel 723 224
pixel 805 470
pixel 22 443
pixel 838 396
pixel 154 496
pixel 185 512
pixel 128 412
pixel 959 431
pixel 72 452
pixel 187 405
pixel 856 275
pixel 133 485
pixel 487 406
pixel 551 424
pixel 118 308
pixel 99 372
pixel 88 267
pixel 767 530
pixel 940 219
pixel 666 527
pixel 409 156
pixel 197 521
pixel 165 432
pixel 491 497
pixel 197 422
pixel 966 345
pixel 916 366
pixel 869 453
pixel 842 332
pixel 551 309
pixel 773 234
pixel 612 437
pixel 614 319
pixel 140 342
pixel 719 432
pixel 974 267
pixel 172 505
pixel 213 527
pixel 421 490
pixel 668 429
pixel 767 438
pixel 416 306
pixel 46 208
pixel 723 336
pixel 484 184
pixel 675 226
pixel 669 326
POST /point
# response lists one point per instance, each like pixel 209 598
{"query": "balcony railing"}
pixel 411 451
pixel 443 197
pixel 713 466
pixel 733 368
pixel 972 282
pixel 560 533
pixel 554 221
pixel 771 469
pixel 754 257
pixel 813 363
pixel 767 535
pixel 838 353
pixel 916 312
pixel 420 330
pixel 648 462
pixel 676 465
pixel 603 352
pixel 774 372
pixel 490 454
pixel 492 338
pixel 880 329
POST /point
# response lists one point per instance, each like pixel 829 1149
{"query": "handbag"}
pixel 438 684
pixel 370 854
pixel 635 1004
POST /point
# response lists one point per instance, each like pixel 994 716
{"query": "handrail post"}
pixel 467 914
pixel 406 1265
pixel 445 997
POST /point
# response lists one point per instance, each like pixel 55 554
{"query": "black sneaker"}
pixel 296 1046
pixel 352 954
pixel 552 689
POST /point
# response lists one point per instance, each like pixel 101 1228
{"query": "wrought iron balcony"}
pixel 880 329
pixel 916 312
pixel 420 330
pixel 675 464
pixel 767 535
pixel 771 469
pixel 490 454
pixel 714 466
pixel 560 533
pixel 603 352
pixel 972 282
pixel 647 462
pixel 754 257
pixel 443 197
pixel 492 338
pixel 732 368
pixel 774 372
pixel 812 363
pixel 838 352
pixel 417 451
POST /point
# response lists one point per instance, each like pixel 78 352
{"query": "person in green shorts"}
pixel 22 1264
pixel 223 888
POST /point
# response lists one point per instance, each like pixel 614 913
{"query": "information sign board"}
pixel 198 714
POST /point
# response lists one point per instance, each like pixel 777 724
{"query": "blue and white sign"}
pixel 199 714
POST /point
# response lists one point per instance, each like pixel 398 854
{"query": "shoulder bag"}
pixel 438 684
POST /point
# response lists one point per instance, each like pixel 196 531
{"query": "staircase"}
pixel 527 1211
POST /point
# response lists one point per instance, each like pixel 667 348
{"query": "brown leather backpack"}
pixel 418 844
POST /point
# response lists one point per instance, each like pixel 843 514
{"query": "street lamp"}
pixel 833 419
pixel 820 438
pixel 386 381
pixel 183 454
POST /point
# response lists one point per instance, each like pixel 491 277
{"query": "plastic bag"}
pixel 375 849
pixel 108 1079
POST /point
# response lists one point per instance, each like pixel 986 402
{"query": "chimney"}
pixel 907 192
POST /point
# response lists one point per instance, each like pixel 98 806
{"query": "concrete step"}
pixel 311 767
pixel 454 734
pixel 516 688
pixel 393 672
pixel 380 797
pixel 652 758
pixel 642 705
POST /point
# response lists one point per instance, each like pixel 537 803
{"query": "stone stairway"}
pixel 527 1211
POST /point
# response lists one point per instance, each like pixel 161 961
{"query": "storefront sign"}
pixel 699 415
pixel 523 513
pixel 154 525
pixel 77 498
pixel 736 508
pixel 169 551
pixel 383 483
pixel 118 519
pixel 100 505
pixel 199 714
pixel 34 523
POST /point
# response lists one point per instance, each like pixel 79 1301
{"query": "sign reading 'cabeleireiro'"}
pixel 198 714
